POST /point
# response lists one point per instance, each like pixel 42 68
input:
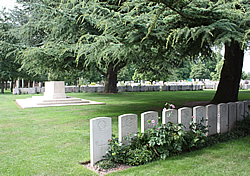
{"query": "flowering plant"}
pixel 168 106
pixel 152 122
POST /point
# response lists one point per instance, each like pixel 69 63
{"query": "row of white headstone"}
pixel 220 119
pixel 149 88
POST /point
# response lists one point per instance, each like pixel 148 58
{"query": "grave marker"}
pixel 169 115
pixel 239 110
pixel 231 115
pixel 222 121
pixel 199 113
pixel 185 117
pixel 100 133
pixel 145 117
pixel 211 116
pixel 127 125
pixel 246 108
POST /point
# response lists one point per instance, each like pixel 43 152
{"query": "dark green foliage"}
pixel 199 71
pixel 159 142
pixel 196 137
pixel 116 152
pixel 9 46
pixel 248 76
pixel 244 75
pixel 126 73
pixel 183 72
pixel 215 74
pixel 72 35
pixel 168 140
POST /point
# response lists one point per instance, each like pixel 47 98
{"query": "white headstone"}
pixel 171 87
pixel 211 116
pixel 199 113
pixel 100 133
pixel 231 115
pixel 185 117
pixel 76 89
pixel 127 125
pixel 169 115
pixel 150 88
pixel 145 117
pixel 128 89
pixel 247 108
pixel 22 83
pixel 143 88
pixel 136 89
pixel 240 110
pixel 18 83
pixel 163 88
pixel 222 121
pixel 54 90
pixel 121 88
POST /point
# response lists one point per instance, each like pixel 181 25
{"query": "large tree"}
pixel 115 40
pixel 199 25
pixel 63 35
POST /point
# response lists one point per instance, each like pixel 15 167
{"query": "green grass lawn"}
pixel 53 140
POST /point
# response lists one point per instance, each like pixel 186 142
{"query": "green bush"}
pixel 116 151
pixel 168 140
pixel 196 137
pixel 159 142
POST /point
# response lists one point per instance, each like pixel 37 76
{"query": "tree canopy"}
pixel 85 34
pixel 199 25
pixel 9 48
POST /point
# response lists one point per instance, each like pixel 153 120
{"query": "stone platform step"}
pixel 68 100
pixel 41 101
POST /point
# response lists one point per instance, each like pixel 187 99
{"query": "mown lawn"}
pixel 54 140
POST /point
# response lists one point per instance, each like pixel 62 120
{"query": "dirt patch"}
pixel 102 172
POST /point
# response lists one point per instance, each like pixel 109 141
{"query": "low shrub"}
pixel 196 137
pixel 168 140
pixel 159 142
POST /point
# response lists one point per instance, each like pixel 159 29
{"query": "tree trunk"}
pixel 228 87
pixel 6 85
pixel 12 85
pixel 111 79
pixel 2 86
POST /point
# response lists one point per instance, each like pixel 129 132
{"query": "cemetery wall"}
pixel 219 119
pixel 174 86
pixel 148 88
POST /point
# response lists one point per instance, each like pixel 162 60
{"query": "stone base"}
pixel 42 101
